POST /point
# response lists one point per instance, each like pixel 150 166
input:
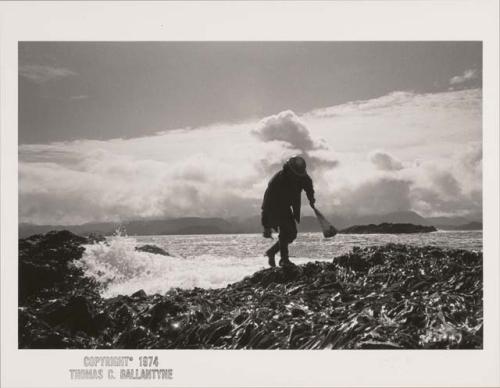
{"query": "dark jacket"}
pixel 283 192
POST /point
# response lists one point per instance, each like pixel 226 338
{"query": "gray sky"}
pixel 81 90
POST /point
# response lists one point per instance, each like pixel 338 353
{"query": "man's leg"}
pixel 288 233
pixel 271 252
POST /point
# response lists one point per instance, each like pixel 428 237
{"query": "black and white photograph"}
pixel 249 194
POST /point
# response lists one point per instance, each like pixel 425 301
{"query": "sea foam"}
pixel 123 270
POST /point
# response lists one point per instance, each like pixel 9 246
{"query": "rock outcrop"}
pixel 152 249
pixel 388 228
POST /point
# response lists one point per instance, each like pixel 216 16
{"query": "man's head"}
pixel 297 165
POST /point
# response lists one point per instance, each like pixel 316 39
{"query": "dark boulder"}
pixel 75 314
pixel 161 310
pixel 141 294
pixel 152 249
pixel 44 261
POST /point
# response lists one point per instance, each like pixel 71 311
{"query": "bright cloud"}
pixel 430 163
pixel 287 129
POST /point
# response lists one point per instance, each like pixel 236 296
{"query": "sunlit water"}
pixel 213 261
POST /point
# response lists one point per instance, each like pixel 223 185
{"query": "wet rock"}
pixel 132 338
pixel 44 261
pixel 75 315
pixel 141 294
pixel 161 310
pixel 95 238
pixel 353 261
pixel 52 340
pixel 297 312
pixel 102 321
pixel 152 249
pixel 124 316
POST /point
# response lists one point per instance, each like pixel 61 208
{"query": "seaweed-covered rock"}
pixel 388 228
pixel 44 261
pixel 389 297
pixel 75 314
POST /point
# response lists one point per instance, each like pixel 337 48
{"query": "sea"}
pixel 216 260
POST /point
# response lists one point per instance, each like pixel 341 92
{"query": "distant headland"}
pixel 388 228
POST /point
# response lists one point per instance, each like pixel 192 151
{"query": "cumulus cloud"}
pixel 44 73
pixel 455 185
pixel 367 107
pixel 287 129
pixel 110 187
pixel 446 183
pixel 376 196
pixel 384 161
pixel 426 200
pixel 431 163
pixel 467 75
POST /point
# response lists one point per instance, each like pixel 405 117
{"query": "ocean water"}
pixel 214 261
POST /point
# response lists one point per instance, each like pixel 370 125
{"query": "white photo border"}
pixel 423 20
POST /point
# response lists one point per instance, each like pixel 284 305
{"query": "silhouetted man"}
pixel 281 206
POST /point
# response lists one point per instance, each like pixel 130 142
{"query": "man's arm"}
pixel 265 209
pixel 267 202
pixel 308 187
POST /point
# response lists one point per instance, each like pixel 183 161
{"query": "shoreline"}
pixel 389 297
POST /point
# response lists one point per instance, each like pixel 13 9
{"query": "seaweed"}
pixel 387 297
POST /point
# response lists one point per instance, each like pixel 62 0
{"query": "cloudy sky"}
pixel 116 131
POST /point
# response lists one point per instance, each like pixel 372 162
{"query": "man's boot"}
pixel 270 259
pixel 285 262
pixel 271 253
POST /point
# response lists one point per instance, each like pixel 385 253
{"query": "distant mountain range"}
pixel 198 225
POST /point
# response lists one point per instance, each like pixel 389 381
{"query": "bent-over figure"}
pixel 281 206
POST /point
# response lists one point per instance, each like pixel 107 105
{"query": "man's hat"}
pixel 298 165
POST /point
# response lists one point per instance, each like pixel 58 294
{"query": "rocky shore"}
pixel 389 297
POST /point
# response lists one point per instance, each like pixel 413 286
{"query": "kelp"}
pixel 388 297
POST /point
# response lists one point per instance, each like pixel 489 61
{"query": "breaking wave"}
pixel 123 270
pixel 214 261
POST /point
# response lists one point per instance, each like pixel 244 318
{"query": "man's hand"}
pixel 268 233
pixel 312 202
